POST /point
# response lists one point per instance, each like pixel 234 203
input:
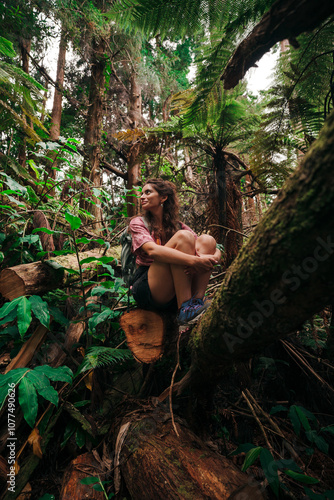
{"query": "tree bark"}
pixel 93 131
pixel 25 48
pixel 57 101
pixel 156 463
pixel 282 276
pixel 135 115
pixel 81 467
pixel 36 278
pixel 285 19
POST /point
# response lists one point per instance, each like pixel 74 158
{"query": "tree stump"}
pixel 145 334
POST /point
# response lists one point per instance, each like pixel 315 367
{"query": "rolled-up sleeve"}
pixel 140 233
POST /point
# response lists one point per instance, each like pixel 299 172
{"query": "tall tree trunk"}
pixel 93 131
pixel 249 206
pixel 57 102
pixel 25 46
pixel 135 115
pixel 281 277
pixel 225 209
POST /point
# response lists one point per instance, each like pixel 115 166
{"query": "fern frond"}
pixel 28 130
pixel 100 356
pixel 169 17
pixel 130 135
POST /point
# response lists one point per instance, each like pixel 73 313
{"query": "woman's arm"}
pixel 172 256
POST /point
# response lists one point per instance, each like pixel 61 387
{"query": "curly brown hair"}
pixel 170 215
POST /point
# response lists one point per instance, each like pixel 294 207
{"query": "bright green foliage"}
pixel 21 308
pixel 6 47
pixel 97 485
pixel 187 17
pixel 32 383
pixel 23 95
pixel 74 221
pixel 104 356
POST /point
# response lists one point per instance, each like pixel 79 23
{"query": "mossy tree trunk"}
pixel 282 276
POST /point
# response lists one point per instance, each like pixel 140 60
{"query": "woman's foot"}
pixel 191 310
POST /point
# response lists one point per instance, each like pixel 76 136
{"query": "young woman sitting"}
pixel 174 265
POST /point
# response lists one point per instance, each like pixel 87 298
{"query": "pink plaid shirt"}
pixel 140 235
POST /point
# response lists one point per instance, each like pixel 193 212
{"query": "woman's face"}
pixel 150 198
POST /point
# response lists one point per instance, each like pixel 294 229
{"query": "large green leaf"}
pixel 43 230
pixel 40 309
pixel 98 318
pixel 39 380
pixel 58 316
pixel 13 376
pixel 302 478
pixel 23 315
pixel 250 458
pixel 73 221
pixel 87 260
pixel 61 374
pixel 9 317
pixel 7 308
pixel 28 400
pixel 50 394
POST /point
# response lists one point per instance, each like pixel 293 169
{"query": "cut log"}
pixel 29 279
pixel 39 277
pixel 155 463
pixel 145 334
pixel 82 467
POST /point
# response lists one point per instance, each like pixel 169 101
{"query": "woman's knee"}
pixel 184 240
pixel 206 244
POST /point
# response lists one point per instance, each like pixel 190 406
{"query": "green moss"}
pixel 185 494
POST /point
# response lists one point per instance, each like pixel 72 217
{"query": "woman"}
pixel 174 265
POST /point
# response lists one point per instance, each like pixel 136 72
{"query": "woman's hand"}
pixel 201 264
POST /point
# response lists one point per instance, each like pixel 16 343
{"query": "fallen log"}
pixel 39 277
pixel 29 348
pixel 82 467
pixel 156 463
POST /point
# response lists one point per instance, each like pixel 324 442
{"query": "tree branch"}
pixel 285 19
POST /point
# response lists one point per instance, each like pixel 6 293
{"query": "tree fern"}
pixel 19 94
pixel 168 17
pixel 100 356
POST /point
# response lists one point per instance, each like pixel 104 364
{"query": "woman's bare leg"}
pixel 205 244
pixel 167 280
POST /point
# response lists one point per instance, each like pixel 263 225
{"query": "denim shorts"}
pixel 142 293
